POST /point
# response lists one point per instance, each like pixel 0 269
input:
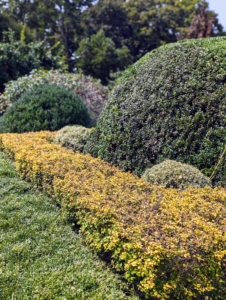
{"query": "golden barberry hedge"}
pixel 170 244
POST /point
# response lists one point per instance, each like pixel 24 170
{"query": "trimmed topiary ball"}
pixel 45 107
pixel 169 105
pixel 173 174
pixel 73 137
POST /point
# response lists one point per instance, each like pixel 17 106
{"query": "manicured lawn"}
pixel 41 257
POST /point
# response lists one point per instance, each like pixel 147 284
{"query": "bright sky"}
pixel 219 7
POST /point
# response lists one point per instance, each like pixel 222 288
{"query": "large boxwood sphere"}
pixel 45 107
pixel 169 105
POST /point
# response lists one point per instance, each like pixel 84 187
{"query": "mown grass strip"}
pixel 40 256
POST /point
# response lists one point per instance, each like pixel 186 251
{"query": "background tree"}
pixel 18 58
pixel 97 56
pixel 8 21
pixel 53 20
pixel 111 17
pixel 157 22
pixel 204 24
pixel 134 26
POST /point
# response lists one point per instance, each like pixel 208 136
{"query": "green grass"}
pixel 41 257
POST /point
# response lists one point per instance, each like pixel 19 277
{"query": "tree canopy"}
pixel 127 29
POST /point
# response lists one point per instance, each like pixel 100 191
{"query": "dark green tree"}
pixel 8 21
pixel 111 17
pixel 97 56
pixel 157 22
pixel 54 20
pixel 18 58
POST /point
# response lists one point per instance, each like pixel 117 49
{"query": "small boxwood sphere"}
pixel 73 137
pixel 171 104
pixel 173 174
pixel 45 107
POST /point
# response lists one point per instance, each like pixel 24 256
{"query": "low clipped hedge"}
pixel 170 244
pixel 171 104
pixel 45 107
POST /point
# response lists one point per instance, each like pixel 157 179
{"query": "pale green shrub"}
pixel 173 174
pixel 72 137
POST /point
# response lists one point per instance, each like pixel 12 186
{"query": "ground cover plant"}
pixel 170 244
pixel 41 256
pixel 45 107
pixel 169 105
pixel 89 90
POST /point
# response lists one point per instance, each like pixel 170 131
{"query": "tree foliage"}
pixel 8 21
pixel 204 24
pixel 18 58
pixel 98 56
pixel 134 26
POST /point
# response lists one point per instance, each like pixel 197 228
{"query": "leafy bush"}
pixel 45 107
pixel 170 243
pixel 169 105
pixel 72 137
pixel 173 174
pixel 90 91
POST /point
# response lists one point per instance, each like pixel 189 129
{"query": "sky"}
pixel 219 7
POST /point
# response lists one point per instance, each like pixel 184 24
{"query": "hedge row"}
pixel 170 244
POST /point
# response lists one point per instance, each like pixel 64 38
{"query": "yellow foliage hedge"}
pixel 171 244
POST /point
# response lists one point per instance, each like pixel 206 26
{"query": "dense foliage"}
pixel 93 94
pixel 168 243
pixel 42 257
pixel 73 137
pixel 169 105
pixel 18 58
pixel 173 174
pixel 9 21
pixel 45 107
pixel 131 28
pixel 98 56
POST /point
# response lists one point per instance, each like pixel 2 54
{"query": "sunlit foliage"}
pixel 170 244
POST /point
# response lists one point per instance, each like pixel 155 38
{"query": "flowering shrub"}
pixel 170 244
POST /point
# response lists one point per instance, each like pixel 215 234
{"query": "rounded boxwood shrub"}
pixel 173 174
pixel 93 94
pixel 73 137
pixel 45 107
pixel 171 104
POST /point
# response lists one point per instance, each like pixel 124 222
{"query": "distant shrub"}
pixel 173 174
pixel 72 137
pixel 93 94
pixel 45 107
pixel 171 104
